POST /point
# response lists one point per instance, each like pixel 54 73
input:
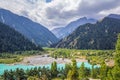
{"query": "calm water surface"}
pixel 25 67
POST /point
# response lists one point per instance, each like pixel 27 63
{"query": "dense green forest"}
pixel 102 35
pixel 70 72
pixel 11 40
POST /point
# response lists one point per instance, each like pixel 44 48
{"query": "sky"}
pixel 58 13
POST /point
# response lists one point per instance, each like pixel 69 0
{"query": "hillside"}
pixel 11 40
pixel 102 35
pixel 32 30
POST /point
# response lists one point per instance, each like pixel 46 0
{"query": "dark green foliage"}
pixel 118 44
pixel 93 74
pixel 109 75
pixel 102 35
pixel 103 71
pixel 11 40
pixel 54 71
pixel 67 68
pixel 73 72
pixel 82 72
pixel 116 70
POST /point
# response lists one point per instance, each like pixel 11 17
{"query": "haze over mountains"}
pixel 65 31
pixel 35 32
pixel 102 35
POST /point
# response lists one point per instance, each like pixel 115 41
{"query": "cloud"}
pixel 58 13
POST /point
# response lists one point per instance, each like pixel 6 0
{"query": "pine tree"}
pixel 73 73
pixel 82 72
pixel 69 75
pixel 103 71
pixel 93 74
pixel 54 69
pixel 67 68
pixel 109 75
pixel 116 70
pixel 6 75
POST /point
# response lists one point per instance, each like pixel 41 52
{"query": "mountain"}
pixel 102 35
pixel 56 30
pixel 72 26
pixel 116 16
pixel 11 40
pixel 32 30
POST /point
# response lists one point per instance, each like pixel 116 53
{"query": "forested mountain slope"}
pixel 102 35
pixel 11 40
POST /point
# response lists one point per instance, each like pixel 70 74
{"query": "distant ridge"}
pixel 116 16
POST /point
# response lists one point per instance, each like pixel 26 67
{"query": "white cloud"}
pixel 59 13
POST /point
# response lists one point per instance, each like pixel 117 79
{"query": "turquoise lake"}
pixel 25 67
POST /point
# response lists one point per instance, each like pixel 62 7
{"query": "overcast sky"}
pixel 58 13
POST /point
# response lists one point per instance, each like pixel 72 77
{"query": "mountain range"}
pixel 102 35
pixel 83 33
pixel 35 32
pixel 65 31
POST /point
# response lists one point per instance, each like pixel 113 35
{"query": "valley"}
pixel 59 40
pixel 50 55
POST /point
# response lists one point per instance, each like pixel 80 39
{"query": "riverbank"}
pixel 45 59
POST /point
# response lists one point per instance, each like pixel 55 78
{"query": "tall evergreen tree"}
pixel 93 74
pixel 116 70
pixel 73 73
pixel 82 72
pixel 54 69
pixel 67 68
pixel 103 71
pixel 109 75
